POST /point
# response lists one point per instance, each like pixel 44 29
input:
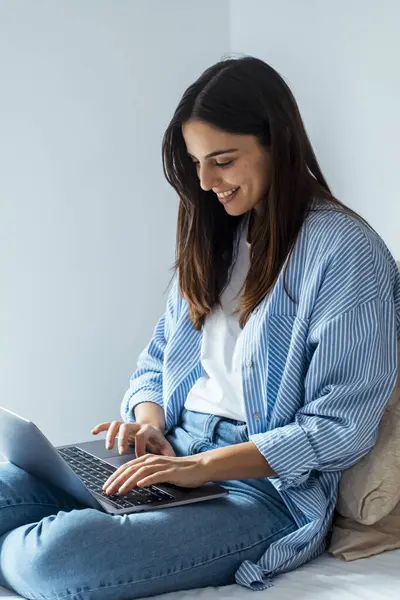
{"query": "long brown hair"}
pixel 241 96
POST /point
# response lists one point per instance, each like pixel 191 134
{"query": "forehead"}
pixel 202 138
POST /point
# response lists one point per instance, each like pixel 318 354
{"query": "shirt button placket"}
pixel 249 364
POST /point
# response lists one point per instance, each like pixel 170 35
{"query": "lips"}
pixel 229 198
pixel 224 191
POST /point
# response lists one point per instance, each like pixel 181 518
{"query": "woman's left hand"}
pixel 186 471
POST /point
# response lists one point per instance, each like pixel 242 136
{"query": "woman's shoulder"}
pixel 332 222
pixel 336 240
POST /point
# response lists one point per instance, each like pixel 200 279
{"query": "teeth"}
pixel 228 193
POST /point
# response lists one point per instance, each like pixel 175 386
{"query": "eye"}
pixel 225 164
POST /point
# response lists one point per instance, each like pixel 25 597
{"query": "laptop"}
pixel 82 469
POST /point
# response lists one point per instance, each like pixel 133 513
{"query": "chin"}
pixel 236 210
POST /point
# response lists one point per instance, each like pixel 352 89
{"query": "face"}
pixel 245 166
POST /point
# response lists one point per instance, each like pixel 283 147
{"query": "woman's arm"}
pixel 351 375
pixel 239 461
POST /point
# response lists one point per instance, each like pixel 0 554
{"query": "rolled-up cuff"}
pixel 252 576
pixel 142 395
pixel 288 452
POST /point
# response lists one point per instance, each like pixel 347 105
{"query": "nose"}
pixel 208 179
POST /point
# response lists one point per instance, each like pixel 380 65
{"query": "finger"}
pixel 123 472
pixel 140 443
pixel 167 449
pixel 120 480
pixel 111 433
pixel 153 447
pixel 100 427
pixel 136 462
pixel 143 472
pixel 123 438
pixel 157 477
pixel 117 474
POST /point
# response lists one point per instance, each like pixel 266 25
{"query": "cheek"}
pixel 259 179
pixel 242 176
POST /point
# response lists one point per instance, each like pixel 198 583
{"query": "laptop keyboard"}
pixel 95 472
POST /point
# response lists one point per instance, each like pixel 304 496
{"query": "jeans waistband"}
pixel 214 429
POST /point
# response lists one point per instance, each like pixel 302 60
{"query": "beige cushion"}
pixel 370 489
pixel 352 540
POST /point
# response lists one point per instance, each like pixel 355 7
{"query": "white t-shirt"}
pixel 219 391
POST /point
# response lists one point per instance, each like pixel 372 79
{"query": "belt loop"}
pixel 210 427
pixel 243 433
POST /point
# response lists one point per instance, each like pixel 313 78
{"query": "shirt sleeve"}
pixel 351 375
pixel 146 383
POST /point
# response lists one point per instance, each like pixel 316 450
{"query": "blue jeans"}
pixel 53 547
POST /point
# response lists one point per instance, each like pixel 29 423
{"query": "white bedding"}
pixel 326 578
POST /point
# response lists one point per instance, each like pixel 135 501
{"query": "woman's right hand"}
pixel 139 435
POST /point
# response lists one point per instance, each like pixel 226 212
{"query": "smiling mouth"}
pixel 228 198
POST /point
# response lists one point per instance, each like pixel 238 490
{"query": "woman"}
pixel 268 372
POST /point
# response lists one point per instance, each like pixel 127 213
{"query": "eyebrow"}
pixel 216 152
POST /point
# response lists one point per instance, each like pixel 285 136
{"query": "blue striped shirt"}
pixel 316 374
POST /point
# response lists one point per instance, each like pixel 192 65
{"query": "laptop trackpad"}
pixel 98 448
pixel 117 461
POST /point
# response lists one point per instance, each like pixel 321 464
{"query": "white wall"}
pixel 341 61
pixel 87 220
